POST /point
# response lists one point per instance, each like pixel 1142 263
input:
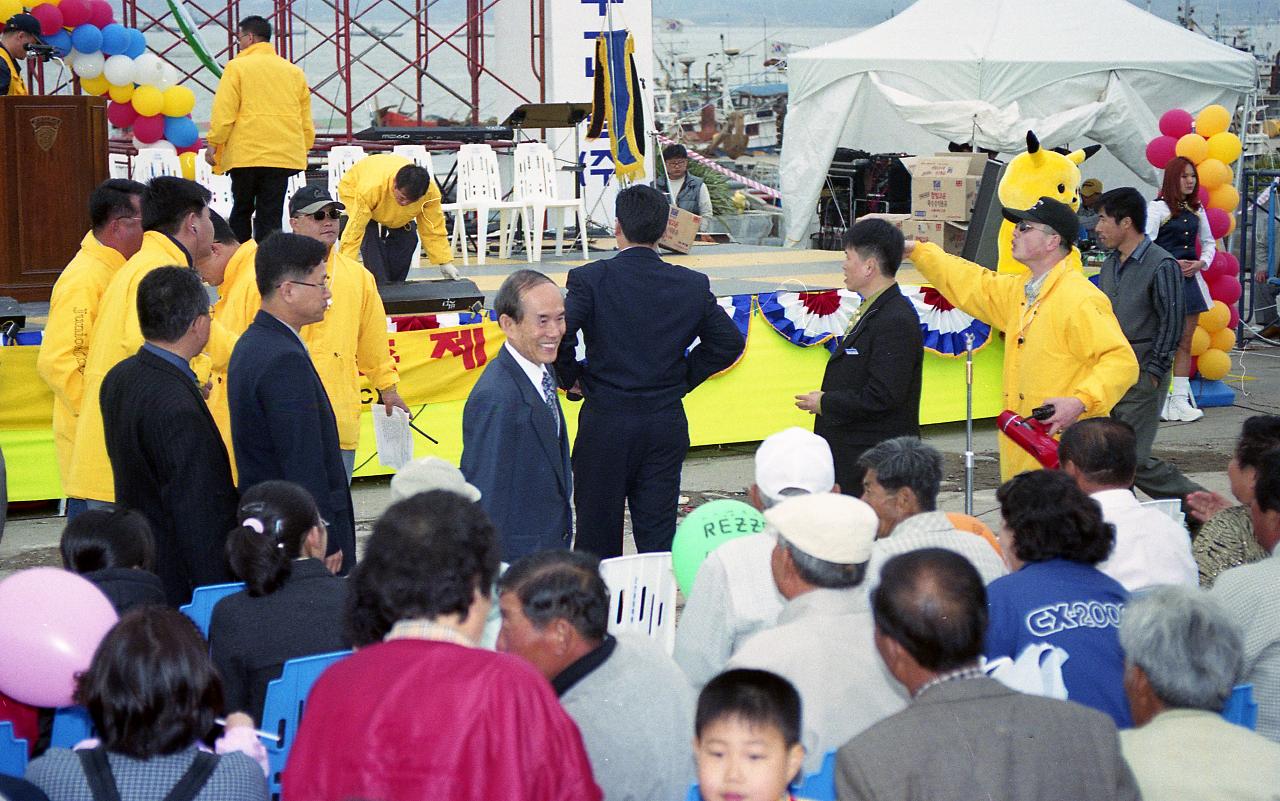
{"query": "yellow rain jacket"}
pixel 367 191
pixel 1067 344
pixel 261 113
pixel 117 336
pixel 17 87
pixel 352 339
pixel 67 334
pixel 233 312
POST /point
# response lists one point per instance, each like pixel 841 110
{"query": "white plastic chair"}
pixel 118 165
pixel 219 185
pixel 341 159
pixel 642 596
pixel 296 182
pixel 480 191
pixel 1172 507
pixel 153 161
pixel 536 187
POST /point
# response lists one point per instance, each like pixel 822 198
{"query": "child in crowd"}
pixel 113 548
pixel 747 737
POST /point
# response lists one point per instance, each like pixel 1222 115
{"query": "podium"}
pixel 53 152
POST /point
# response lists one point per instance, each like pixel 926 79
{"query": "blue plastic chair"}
pixel 13 752
pixel 1241 709
pixel 71 724
pixel 282 709
pixel 820 786
pixel 204 599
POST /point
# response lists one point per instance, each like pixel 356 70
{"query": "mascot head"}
pixel 1043 173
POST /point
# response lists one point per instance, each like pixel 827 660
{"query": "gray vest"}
pixel 689 191
pixel 1132 295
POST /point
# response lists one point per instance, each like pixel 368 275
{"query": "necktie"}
pixel 549 395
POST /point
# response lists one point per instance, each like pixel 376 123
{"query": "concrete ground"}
pixel 1200 449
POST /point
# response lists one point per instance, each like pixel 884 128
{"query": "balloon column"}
pixel 1205 141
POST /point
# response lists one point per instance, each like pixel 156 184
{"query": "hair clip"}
pixel 255 524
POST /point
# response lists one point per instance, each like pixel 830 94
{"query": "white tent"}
pixel 986 72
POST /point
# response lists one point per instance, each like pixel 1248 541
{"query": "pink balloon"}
pixel 1225 288
pixel 149 129
pixel 51 622
pixel 100 13
pixel 1235 317
pixel 49 17
pixel 1176 123
pixel 74 12
pixel 1160 150
pixel 1202 195
pixel 1219 222
pixel 1223 264
pixel 121 115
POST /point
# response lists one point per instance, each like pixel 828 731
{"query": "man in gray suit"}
pixel 966 736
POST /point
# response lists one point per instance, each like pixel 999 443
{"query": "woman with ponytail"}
pixel 291 606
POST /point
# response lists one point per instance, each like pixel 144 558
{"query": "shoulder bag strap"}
pixel 97 771
pixel 194 780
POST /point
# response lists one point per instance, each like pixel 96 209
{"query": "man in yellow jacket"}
pixel 115 210
pixel 175 216
pixel 349 341
pixel 19 31
pixel 386 197
pixel 260 131
pixel 1063 345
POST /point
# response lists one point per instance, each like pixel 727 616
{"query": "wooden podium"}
pixel 53 152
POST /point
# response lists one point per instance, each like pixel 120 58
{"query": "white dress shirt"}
pixel 1151 548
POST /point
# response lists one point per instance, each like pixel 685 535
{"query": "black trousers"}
pixel 631 457
pixel 388 252
pixel 257 200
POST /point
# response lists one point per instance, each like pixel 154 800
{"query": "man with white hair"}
pixel 733 595
pixel 823 641
pixel 1182 655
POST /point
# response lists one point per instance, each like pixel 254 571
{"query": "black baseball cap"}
pixel 25 23
pixel 310 199
pixel 1053 213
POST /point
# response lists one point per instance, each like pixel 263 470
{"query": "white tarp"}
pixel 987 71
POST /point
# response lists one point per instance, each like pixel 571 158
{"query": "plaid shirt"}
pixel 236 778
pixel 423 629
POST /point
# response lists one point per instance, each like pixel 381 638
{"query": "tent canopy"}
pixel 985 72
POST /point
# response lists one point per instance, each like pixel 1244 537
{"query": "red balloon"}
pixel 100 13
pixel 1219 222
pixel 74 12
pixel 1235 317
pixel 195 148
pixel 1223 264
pixel 1176 123
pixel 49 17
pixel 149 129
pixel 121 115
pixel 1160 150
pixel 1195 365
pixel 1225 288
pixel 1203 195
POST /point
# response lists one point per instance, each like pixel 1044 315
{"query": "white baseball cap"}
pixel 828 526
pixel 794 459
pixel 431 473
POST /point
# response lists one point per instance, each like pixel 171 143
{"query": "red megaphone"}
pixel 1032 436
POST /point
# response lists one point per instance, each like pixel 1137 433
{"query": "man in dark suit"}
pixel 638 316
pixel 166 455
pixel 282 424
pixel 965 735
pixel 871 387
pixel 515 448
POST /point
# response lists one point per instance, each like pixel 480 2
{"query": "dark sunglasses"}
pixel 319 216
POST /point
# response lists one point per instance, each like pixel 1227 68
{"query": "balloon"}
pixel 52 623
pixel 96 86
pixel 74 12
pixel 1218 222
pixel 1211 120
pixel 121 94
pixel 1223 264
pixel 705 529
pixel 168 77
pixel 1225 288
pixel 1216 318
pixel 121 114
pixel 1213 173
pixel 1231 229
pixel 1234 322
pixel 115 39
pixel 1223 340
pixel 1224 198
pixel 137 43
pixel 10 7
pixel 178 101
pixel 159 144
pixel 50 19
pixel 1202 195
pixel 1200 341
pixel 194 147
pixel 148 67
pixel 1175 123
pixel 60 42
pixel 188 161
pixel 148 101
pixel 86 39
pixel 1193 148
pixel 1225 147
pixel 88 65
pixel 181 131
pixel 1214 364
pixel 147 128
pixel 1160 150
pixel 100 13
pixel 119 70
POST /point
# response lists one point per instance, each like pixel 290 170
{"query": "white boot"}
pixel 1181 405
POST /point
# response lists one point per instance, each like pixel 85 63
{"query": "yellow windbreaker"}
pixel 237 304
pixel 17 87
pixel 352 339
pixel 367 191
pixel 65 348
pixel 1067 344
pixel 261 113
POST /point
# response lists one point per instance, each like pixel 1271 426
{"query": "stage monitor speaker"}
pixel 431 297
pixel 981 244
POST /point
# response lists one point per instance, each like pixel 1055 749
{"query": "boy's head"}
pixel 747 736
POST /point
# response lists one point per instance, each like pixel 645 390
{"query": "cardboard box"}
pixel 949 235
pixel 944 187
pixel 896 220
pixel 682 228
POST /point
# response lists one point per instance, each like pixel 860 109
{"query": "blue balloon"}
pixel 181 131
pixel 137 43
pixel 115 39
pixel 60 41
pixel 87 39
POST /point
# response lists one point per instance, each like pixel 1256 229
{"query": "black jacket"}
pixel 169 463
pixel 127 587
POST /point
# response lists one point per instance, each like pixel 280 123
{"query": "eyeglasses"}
pixel 322 215
pixel 1025 226
pixel 322 285
pixel 129 217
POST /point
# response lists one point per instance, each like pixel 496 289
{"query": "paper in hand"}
pixel 394 439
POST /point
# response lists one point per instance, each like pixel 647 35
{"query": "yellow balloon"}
pixel 123 94
pixel 1213 173
pixel 188 162
pixel 148 101
pixel 1224 197
pixel 95 86
pixel 1214 364
pixel 1231 229
pixel 1212 120
pixel 1223 340
pixel 10 7
pixel 1200 340
pixel 1225 147
pixel 178 101
pixel 1193 148
pixel 1216 318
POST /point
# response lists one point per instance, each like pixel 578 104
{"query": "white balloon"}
pixel 120 70
pixel 159 144
pixel 148 67
pixel 70 58
pixel 168 76
pixel 88 65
